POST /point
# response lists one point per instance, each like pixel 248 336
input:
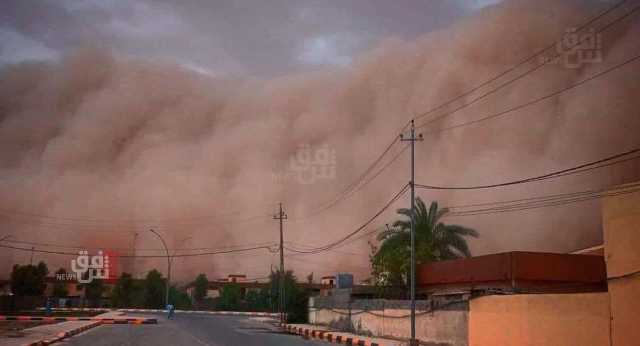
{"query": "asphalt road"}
pixel 190 329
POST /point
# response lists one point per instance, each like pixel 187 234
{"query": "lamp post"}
pixel 166 297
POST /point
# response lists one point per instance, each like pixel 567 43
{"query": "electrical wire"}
pixel 359 229
pixel 53 252
pixel 354 191
pixel 534 101
pixel 130 249
pixel 522 62
pixel 547 201
pixel 128 223
pixel 355 184
pixel 520 76
pixel 573 170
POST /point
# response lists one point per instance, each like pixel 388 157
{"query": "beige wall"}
pixel 442 327
pixel 621 221
pixel 540 320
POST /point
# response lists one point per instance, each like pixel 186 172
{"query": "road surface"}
pixel 189 329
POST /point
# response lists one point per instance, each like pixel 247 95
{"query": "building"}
pixel 590 297
pixel 236 278
pixel 215 287
pixel 329 281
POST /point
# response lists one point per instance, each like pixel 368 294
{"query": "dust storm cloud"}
pixel 97 147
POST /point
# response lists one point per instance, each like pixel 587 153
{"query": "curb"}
pixel 232 313
pixel 65 319
pixel 328 336
pixel 77 309
pixel 63 335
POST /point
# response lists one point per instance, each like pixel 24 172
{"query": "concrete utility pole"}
pixel 281 302
pixel 133 253
pixel 413 140
pixel 166 249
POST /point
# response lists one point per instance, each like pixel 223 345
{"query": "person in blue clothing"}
pixel 48 306
pixel 170 309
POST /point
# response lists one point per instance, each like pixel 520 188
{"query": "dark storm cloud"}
pixel 224 37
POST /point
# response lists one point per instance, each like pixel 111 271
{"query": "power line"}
pixel 360 187
pixel 510 81
pixel 52 252
pixel 547 201
pixel 514 67
pixel 536 198
pixel 352 187
pixel 122 222
pixel 359 229
pixel 80 247
pixel 537 100
pixel 356 184
pixel 572 170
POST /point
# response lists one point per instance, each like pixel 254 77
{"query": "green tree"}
pixel 258 300
pixel 29 280
pixel 124 291
pixel 93 292
pixel 230 297
pixel 435 241
pixel 154 290
pixel 60 287
pixel 200 287
pixel 295 296
pixel 179 298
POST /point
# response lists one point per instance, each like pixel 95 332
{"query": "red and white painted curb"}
pixel 329 336
pixel 63 335
pixel 230 313
pixel 108 320
pixel 78 309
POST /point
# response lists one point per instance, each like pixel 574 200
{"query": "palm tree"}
pixel 435 241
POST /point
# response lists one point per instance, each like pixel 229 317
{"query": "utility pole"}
pixel 31 260
pixel 413 140
pixel 133 253
pixel 281 302
pixel 166 249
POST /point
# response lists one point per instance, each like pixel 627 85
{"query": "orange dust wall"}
pixel 540 320
pixel 621 221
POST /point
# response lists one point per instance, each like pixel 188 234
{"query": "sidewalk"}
pixel 51 333
pixel 324 333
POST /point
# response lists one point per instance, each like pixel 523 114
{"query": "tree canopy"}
pixel 434 241
pixel 29 280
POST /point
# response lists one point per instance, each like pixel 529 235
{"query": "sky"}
pixel 194 118
pixel 255 38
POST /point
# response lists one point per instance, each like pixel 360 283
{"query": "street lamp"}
pixel 166 297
